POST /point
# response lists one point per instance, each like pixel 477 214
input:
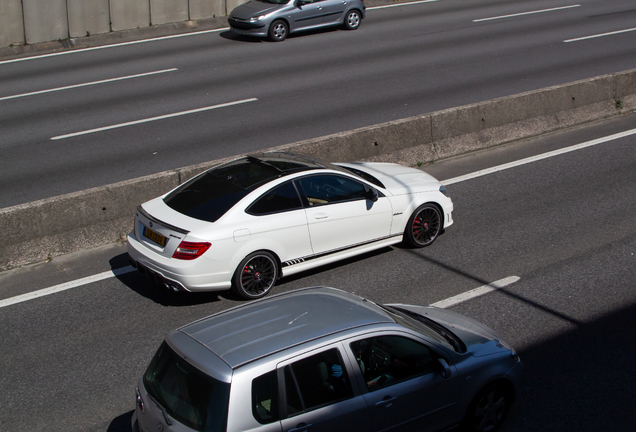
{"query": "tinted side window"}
pixel 326 188
pixel 265 398
pixel 316 381
pixel 281 198
pixel 386 360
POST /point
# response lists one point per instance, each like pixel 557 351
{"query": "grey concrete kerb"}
pixel 39 230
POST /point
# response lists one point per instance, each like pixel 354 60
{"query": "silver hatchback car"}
pixel 276 19
pixel 320 359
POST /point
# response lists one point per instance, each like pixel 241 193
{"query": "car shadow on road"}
pixel 121 423
pixel 230 35
pixel 578 381
pixel 159 294
pixel 581 380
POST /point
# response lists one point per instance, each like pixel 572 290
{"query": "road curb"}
pixel 54 226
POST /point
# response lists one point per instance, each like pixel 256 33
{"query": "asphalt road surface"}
pixel 564 225
pixel 122 112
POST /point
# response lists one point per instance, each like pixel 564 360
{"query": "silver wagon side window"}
pixel 387 360
pixel 316 381
pixel 265 398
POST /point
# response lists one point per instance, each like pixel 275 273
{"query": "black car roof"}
pixel 210 195
pixel 260 328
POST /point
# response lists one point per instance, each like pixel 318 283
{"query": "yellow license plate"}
pixel 154 236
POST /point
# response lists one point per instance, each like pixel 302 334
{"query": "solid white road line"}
pixel 162 117
pixel 485 289
pixel 66 286
pixel 88 84
pixel 600 35
pixel 538 157
pixel 401 4
pixel 82 50
pixel 527 13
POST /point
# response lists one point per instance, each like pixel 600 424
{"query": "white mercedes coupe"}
pixel 246 223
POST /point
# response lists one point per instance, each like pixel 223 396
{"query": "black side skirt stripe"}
pixel 331 252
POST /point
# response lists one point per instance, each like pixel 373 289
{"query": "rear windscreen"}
pixel 211 195
pixel 185 393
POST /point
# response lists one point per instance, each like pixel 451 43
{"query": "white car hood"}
pixel 398 179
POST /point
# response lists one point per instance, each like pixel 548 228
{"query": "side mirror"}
pixel 371 194
pixel 446 370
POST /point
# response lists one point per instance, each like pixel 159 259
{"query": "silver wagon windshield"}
pixel 185 393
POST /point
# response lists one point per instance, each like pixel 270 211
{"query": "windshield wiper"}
pixel 453 340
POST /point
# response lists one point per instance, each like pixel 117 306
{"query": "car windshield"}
pixel 426 326
pixel 275 1
pixel 185 393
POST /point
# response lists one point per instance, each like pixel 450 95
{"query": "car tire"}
pixel 352 20
pixel 488 409
pixel 256 275
pixel 278 31
pixel 424 225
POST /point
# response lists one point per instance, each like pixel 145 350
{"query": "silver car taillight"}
pixel 140 402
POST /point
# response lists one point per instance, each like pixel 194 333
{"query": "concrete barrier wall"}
pixel 45 20
pixel 52 20
pixel 36 231
pixel 201 9
pixel 11 23
pixel 166 11
pixel 88 17
pixel 128 14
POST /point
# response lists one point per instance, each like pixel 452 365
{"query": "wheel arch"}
pixel 283 19
pixel 504 383
pixel 417 204
pixel 357 10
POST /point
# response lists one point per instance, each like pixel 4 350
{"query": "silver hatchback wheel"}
pixel 488 410
pixel 352 20
pixel 278 31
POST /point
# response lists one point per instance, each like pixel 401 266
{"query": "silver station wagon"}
pixel 320 359
pixel 276 19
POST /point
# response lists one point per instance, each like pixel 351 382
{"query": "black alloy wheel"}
pixel 256 275
pixel 278 31
pixel 424 226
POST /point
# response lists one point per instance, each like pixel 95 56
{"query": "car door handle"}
pixel 319 7
pixel 301 427
pixel 321 216
pixel 386 402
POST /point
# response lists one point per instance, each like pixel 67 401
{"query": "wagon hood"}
pixel 398 179
pixel 253 8
pixel 480 340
